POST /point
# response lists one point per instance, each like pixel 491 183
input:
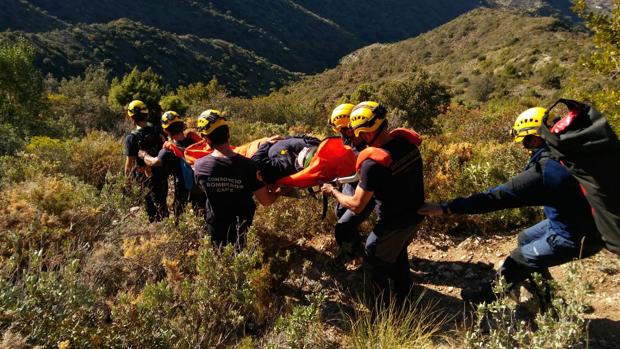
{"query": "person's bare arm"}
pixel 149 160
pixel 356 203
pixel 130 165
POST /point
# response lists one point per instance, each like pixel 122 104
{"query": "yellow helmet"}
pixel 367 117
pixel 209 120
pixel 136 107
pixel 169 118
pixel 340 116
pixel 528 123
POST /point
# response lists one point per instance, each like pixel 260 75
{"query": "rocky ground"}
pixel 441 266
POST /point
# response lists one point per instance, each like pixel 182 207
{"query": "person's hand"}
pixel 431 209
pixel 274 139
pixel 141 154
pixel 327 189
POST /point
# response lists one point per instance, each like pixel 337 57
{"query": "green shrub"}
pixel 94 156
pixel 80 103
pixel 420 97
pixel 49 210
pixel 498 325
pixel 174 103
pixel 462 169
pixel 50 306
pixel 301 328
pixel 218 300
pixel 90 158
pixel 11 141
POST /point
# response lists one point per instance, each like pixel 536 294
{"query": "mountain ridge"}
pixel 306 36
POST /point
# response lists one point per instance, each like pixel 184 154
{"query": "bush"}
pixel 481 88
pixel 419 96
pixel 209 308
pixel 301 328
pixel 498 325
pixel 90 158
pixel 174 103
pixel 94 157
pixel 49 307
pixel 10 142
pixel 80 104
pixel 46 210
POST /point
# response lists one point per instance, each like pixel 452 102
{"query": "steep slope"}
pixel 120 45
pixel 300 35
pixel 276 29
pixel 19 15
pixel 483 49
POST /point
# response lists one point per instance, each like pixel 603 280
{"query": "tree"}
pixel 174 103
pixel 364 92
pixel 199 92
pixel 605 60
pixel 145 86
pixel 22 104
pixel 417 99
pixel 82 101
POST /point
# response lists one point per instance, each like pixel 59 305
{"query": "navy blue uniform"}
pixel 398 192
pixel 555 240
pixel 229 184
pixel 156 186
pixel 277 160
pixel 171 165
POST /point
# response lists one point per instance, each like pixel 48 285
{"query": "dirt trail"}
pixel 442 266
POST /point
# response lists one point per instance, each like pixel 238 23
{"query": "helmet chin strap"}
pixel 377 133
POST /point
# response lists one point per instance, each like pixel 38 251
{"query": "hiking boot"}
pixel 481 294
pixel 348 253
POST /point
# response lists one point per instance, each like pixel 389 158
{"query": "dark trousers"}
pixel 229 230
pixel 386 259
pixel 155 190
pixel 182 197
pixel 347 227
pixel 539 247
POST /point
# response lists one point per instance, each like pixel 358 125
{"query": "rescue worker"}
pixel 229 181
pixel 390 169
pixel 146 138
pixel 283 157
pixel 171 159
pixel 544 182
pixel 346 230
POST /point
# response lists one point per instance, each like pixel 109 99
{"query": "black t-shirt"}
pixel 169 161
pixel 145 138
pixel 229 183
pixel 398 189
pixel 132 147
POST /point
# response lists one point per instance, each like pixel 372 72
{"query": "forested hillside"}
pixel 122 44
pixel 300 36
pixel 480 55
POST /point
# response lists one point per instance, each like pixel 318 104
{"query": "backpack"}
pixel 149 139
pixel 587 146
